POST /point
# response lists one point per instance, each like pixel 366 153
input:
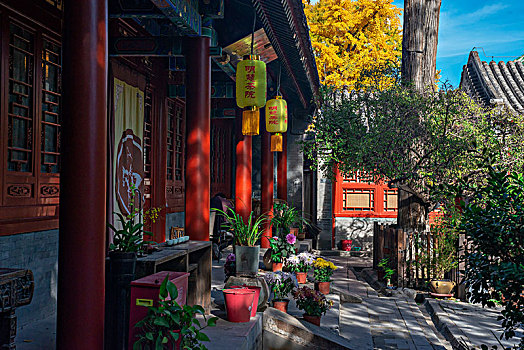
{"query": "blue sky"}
pixel 496 26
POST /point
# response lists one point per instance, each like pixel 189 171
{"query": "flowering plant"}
pixel 323 270
pixel 311 301
pixel 281 283
pixel 281 248
pixel 301 262
pixel 230 265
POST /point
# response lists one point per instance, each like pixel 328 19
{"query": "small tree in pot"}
pixel 247 236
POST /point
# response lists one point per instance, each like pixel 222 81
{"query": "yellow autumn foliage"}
pixel 352 37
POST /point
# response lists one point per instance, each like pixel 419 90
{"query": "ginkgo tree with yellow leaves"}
pixel 352 37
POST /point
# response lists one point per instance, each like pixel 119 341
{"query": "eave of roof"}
pixel 492 82
pixel 286 27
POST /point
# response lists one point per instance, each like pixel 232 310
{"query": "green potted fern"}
pixel 247 236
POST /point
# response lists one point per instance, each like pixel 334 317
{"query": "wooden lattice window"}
pixel 21 110
pixel 148 126
pixel 390 200
pixel 358 199
pixel 175 141
pixel 221 157
pixel 175 187
pixel 51 98
pixel 31 116
pixel 357 177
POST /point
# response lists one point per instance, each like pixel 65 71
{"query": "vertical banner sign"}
pixel 128 159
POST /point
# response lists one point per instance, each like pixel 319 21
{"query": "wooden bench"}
pixel 193 257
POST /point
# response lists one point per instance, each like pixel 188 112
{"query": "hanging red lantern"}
pixel 276 121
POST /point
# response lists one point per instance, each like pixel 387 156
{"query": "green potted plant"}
pixel 284 217
pixel 323 270
pixel 247 235
pixel 314 304
pixel 127 242
pixel 280 249
pixel 386 271
pixel 444 255
pixel 169 325
pixel 281 283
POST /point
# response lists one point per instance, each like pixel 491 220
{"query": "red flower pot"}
pixel 346 244
pixel 281 305
pixel 312 319
pixel 238 304
pixel 301 277
pixel 277 267
pixel 323 287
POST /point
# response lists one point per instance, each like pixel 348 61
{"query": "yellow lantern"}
pixel 250 121
pixel 251 82
pixel 276 121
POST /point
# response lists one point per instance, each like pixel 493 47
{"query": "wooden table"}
pixel 193 257
pixel 16 289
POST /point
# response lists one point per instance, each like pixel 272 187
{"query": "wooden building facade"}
pixel 99 95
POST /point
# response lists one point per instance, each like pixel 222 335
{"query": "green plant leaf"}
pixel 202 337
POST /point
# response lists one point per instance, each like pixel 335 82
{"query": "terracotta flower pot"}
pixel 323 287
pixel 277 267
pixel 281 305
pixel 312 319
pixel 301 277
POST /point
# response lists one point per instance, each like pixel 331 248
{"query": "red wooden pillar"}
pixel 82 249
pixel 243 185
pixel 282 170
pixel 198 124
pixel 266 181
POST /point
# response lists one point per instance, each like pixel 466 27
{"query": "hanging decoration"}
pixel 251 85
pixel 276 121
pixel 276 118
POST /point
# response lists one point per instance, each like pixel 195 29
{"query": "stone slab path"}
pixel 381 322
pixel 468 326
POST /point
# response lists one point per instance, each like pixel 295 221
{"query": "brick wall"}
pixel 37 251
pixel 324 211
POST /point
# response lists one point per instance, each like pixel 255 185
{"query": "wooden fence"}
pixel 405 251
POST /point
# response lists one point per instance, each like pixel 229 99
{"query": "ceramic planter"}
pixel 301 277
pixel 312 319
pixel 121 273
pixel 323 287
pixel 247 260
pixel 441 286
pixel 281 305
pixel 301 236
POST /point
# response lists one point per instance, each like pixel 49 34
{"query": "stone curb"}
pixel 300 333
pixel 374 283
pixel 444 325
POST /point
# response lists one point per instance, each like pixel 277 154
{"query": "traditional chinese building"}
pixel 494 83
pixel 101 95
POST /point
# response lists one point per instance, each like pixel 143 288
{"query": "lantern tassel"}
pixel 276 142
pixel 251 121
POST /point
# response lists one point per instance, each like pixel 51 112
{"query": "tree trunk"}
pixel 419 43
pixel 412 212
pixel 419 55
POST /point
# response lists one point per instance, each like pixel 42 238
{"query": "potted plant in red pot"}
pixel 281 283
pixel 281 249
pixel 300 264
pixel 171 326
pixel 323 270
pixel 314 304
